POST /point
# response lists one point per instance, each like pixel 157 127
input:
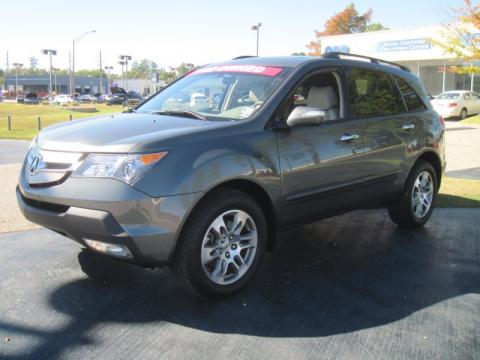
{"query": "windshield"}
pixel 232 92
pixel 448 96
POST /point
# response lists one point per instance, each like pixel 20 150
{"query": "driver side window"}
pixel 321 91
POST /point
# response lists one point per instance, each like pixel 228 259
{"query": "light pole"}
pixel 75 42
pixel 257 28
pixel 108 68
pixel 55 80
pixel 125 59
pixel 123 75
pixel 50 53
pixel 17 66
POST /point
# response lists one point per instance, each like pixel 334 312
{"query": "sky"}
pixel 172 32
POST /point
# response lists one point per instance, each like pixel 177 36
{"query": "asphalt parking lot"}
pixel 350 287
pixel 353 287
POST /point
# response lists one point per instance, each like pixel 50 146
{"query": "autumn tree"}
pixel 460 37
pixel 347 21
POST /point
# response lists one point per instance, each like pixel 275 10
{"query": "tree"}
pixel 347 21
pixel 145 69
pixel 460 37
pixel 90 73
pixel 299 54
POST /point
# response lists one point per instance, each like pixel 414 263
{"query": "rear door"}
pixel 375 100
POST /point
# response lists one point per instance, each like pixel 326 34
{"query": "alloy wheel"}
pixel 229 247
pixel 422 194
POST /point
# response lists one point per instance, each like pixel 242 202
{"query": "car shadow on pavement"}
pixel 338 276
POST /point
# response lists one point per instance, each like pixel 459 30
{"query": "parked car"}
pixel 87 98
pixel 207 192
pixel 31 99
pixel 20 98
pixel 120 96
pixel 457 104
pixel 62 99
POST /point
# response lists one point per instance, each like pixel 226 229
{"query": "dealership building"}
pixel 410 47
pixel 39 84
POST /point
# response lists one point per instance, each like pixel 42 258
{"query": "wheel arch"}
pixel 251 188
pixel 432 158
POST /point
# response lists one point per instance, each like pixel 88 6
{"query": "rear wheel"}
pixel 415 206
pixel 222 245
pixel 463 114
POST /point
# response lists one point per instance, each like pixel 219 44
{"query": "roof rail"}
pixel 244 57
pixel 337 55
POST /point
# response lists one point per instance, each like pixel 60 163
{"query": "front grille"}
pixel 57 208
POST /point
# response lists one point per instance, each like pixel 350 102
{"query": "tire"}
pixel 463 114
pixel 410 211
pixel 203 254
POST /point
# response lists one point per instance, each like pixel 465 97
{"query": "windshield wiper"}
pixel 189 114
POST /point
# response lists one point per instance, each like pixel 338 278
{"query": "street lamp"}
pixel 55 79
pixel 122 63
pixel 75 42
pixel 50 53
pixel 108 68
pixel 124 59
pixel 17 66
pixel 257 28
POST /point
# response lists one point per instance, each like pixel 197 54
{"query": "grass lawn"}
pixel 473 120
pixel 459 193
pixel 453 193
pixel 24 117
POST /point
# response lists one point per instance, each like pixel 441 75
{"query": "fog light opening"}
pixel 109 249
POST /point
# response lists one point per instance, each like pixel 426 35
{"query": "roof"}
pixel 285 61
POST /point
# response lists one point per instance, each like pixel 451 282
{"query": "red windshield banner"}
pixel 247 69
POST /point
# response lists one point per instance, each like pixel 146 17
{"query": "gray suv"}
pixel 203 175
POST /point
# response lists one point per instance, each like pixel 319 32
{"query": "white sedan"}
pixel 457 104
pixel 62 99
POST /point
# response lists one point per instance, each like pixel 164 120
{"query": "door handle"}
pixel 349 137
pixel 408 126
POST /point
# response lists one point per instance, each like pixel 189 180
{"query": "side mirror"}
pixel 305 115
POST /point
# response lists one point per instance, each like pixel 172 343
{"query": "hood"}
pixel 118 133
pixel 115 90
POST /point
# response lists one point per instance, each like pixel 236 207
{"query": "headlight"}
pixel 124 167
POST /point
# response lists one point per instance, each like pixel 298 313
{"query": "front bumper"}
pixel 109 211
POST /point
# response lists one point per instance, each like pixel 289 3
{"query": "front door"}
pixel 321 165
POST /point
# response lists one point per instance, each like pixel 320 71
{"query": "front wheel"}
pixel 222 245
pixel 415 206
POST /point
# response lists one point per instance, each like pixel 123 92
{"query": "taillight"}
pixel 442 121
pixel 452 104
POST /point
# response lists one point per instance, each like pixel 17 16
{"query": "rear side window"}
pixel 371 93
pixel 413 101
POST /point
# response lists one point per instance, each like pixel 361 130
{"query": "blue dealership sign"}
pixel 404 45
pixel 337 48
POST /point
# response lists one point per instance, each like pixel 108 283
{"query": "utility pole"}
pixel 70 71
pixel 17 66
pixel 50 53
pixel 122 63
pixel 75 42
pixel 257 28
pixel 8 74
pixel 125 59
pixel 101 75
pixel 108 68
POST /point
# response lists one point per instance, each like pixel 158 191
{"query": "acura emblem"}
pixel 34 165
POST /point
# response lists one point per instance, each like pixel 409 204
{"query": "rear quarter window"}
pixel 413 101
pixel 371 93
